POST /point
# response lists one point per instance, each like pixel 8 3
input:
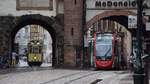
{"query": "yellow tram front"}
pixel 35 56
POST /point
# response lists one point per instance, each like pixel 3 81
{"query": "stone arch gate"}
pixel 10 25
pixel 120 16
pixel 108 14
pixel 114 15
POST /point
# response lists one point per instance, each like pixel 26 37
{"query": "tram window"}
pixel 104 51
pixel 36 50
pixel 32 49
pixel 40 49
pixel 29 49
pixel 104 46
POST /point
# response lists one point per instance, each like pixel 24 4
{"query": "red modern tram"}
pixel 105 51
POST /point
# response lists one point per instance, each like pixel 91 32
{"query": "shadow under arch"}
pixel 106 14
pixel 120 16
pixel 36 19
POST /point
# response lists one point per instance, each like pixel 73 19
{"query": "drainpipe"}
pixel 83 31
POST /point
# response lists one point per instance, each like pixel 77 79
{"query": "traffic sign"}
pixel 132 21
pixel 147 26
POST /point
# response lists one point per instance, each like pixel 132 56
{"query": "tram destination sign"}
pixel 111 4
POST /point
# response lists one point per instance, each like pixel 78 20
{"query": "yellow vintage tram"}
pixel 35 55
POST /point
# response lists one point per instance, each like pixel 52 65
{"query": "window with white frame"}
pixel 34 4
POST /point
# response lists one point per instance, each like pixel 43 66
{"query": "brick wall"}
pixel 72 29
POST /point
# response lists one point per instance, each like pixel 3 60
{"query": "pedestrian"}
pixel 131 59
pixel 14 54
pixel 17 59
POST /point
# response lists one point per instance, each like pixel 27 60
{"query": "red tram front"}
pixel 105 50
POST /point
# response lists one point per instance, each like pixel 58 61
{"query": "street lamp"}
pixel 138 70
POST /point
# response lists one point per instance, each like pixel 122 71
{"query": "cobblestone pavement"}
pixel 128 79
pixel 115 77
pixel 61 76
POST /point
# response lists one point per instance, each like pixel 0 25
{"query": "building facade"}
pixel 111 15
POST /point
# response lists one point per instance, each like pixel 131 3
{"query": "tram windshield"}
pixel 35 49
pixel 104 46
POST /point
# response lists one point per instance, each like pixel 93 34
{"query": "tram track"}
pixel 60 78
pixel 95 79
pixel 78 78
pixel 70 78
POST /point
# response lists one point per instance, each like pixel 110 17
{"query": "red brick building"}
pixel 73 24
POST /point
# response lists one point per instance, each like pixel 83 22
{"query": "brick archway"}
pixel 112 13
pixel 107 14
pixel 48 23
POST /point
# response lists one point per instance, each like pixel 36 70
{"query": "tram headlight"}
pixel 34 57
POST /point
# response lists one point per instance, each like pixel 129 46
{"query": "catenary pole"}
pixel 138 70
